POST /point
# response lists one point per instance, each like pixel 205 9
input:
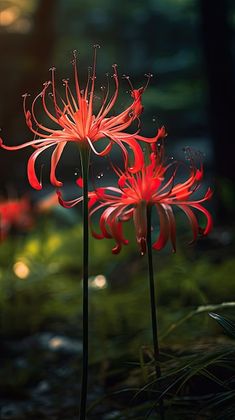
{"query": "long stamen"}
pixel 68 93
pixel 105 98
pixel 149 76
pixel 57 109
pixel 171 182
pixel 88 82
pixel 128 81
pixel 25 96
pixel 113 99
pixel 77 86
pixel 28 116
pixel 91 98
pixel 40 95
pixel 49 114
pixel 93 77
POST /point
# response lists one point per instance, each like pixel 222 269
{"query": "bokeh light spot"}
pixel 8 16
pixel 99 282
pixel 21 269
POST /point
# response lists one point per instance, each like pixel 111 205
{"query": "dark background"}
pixel 189 47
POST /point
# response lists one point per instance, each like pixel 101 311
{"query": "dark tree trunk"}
pixel 217 39
pixel 27 58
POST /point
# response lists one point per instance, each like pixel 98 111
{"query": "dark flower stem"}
pixel 83 400
pixel 154 314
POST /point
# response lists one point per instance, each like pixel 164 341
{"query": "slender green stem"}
pixel 154 314
pixel 83 401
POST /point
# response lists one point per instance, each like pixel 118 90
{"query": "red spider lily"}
pixel 149 187
pixel 15 213
pixel 76 121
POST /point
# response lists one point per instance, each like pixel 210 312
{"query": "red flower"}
pixel 15 213
pixel 148 187
pixel 76 121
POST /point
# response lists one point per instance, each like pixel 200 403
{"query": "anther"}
pixel 75 54
pixel 124 76
pixel 47 83
pixel 89 70
pixel 149 76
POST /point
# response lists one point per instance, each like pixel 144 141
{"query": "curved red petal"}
pixel 68 204
pixel 96 235
pixel 164 228
pixel 106 150
pixel 172 226
pixel 79 182
pixel 138 154
pixel 116 228
pixel 103 220
pixel 192 219
pixel 116 249
pixel 32 177
pixel 54 161
pixel 209 219
pixel 161 133
pixel 122 180
pixel 28 119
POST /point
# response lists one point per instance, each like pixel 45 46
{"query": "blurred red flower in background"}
pixel 152 186
pixel 76 120
pixel 15 214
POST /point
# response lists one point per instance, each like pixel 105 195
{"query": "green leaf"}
pixel 226 323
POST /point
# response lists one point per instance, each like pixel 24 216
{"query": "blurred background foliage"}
pixel 40 285
pixel 189 47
